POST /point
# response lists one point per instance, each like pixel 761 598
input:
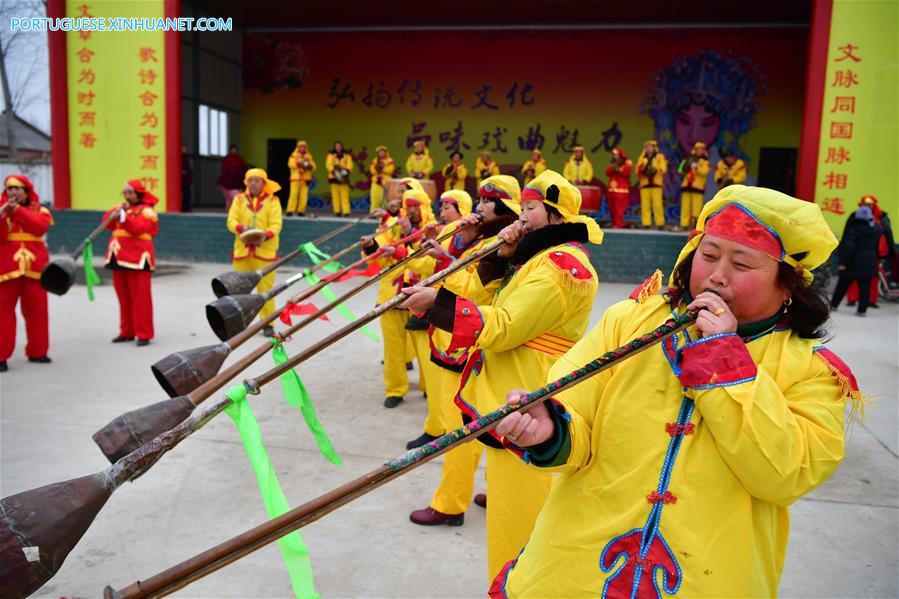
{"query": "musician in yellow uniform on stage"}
pixel 454 173
pixel 255 220
pixel 534 166
pixel 415 215
pixel 676 467
pixel 485 167
pixel 539 312
pixel 578 169
pixel 339 165
pixel 730 171
pixel 301 165
pixel 651 168
pixel 694 169
pixel 498 207
pixel 381 169
pixel 419 163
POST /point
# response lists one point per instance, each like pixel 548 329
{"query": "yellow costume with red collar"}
pixel 541 309
pixel 301 165
pixel 677 466
pixel 262 212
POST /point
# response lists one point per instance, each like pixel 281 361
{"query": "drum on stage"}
pixel 395 189
pixel 252 236
pixel 591 198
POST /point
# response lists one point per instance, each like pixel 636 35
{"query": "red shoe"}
pixel 481 499
pixel 431 517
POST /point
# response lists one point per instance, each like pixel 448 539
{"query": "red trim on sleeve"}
pixel 715 361
pixel 838 366
pixel 467 324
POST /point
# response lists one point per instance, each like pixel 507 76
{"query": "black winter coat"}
pixel 858 249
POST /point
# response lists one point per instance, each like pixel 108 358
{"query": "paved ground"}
pixel 844 537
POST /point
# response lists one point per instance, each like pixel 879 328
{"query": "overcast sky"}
pixel 26 63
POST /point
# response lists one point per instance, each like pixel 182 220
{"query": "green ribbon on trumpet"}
pixel 317 256
pixel 294 552
pixel 296 395
pixel 91 277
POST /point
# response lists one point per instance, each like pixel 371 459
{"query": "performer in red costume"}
pixel 23 255
pixel 132 258
pixel 619 174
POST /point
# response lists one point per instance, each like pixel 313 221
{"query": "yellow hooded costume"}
pixel 485 165
pixel 393 322
pixel 257 212
pixel 420 163
pixel 301 165
pixel 454 493
pixel 540 310
pixel 454 175
pixel 677 466
pixel 695 170
pixel 381 170
pixel 531 168
pixel 339 169
pixel 578 172
pixel 650 177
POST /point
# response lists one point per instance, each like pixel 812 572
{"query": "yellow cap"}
pixel 503 188
pixel 553 189
pixel 270 186
pixel 460 198
pixel 798 232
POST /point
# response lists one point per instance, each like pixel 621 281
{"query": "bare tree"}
pixel 17 76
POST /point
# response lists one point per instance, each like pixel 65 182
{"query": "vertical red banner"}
pixel 173 110
pixel 59 108
pixel 816 73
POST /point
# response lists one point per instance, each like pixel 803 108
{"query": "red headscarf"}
pixel 620 152
pixel 148 198
pixel 23 181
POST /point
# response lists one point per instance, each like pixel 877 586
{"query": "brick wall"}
pixel 627 257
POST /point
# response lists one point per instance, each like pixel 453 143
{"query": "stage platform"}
pixel 626 256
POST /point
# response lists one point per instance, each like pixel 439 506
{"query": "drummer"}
pixel 455 173
pixel 339 164
pixel 381 169
pixel 578 169
pixel 485 167
pixel 419 164
pixel 255 220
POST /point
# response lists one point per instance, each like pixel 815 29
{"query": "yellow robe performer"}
pixel 533 167
pixel 381 169
pixel 393 322
pixel 262 211
pixel 695 170
pixel 419 163
pixel 730 171
pixel 540 311
pixel 301 165
pixel 651 168
pixel 454 173
pixel 454 493
pixel 339 165
pixel 578 169
pixel 485 167
pixel 677 466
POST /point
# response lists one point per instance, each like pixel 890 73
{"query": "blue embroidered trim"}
pixel 783 252
pixel 729 384
pixel 650 529
pixel 509 571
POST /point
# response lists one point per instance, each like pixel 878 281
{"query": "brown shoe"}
pixel 481 499
pixel 431 517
